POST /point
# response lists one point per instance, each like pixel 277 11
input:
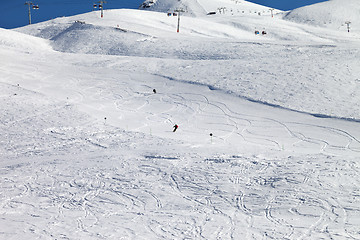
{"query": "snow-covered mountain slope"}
pixel 289 66
pixel 267 146
pixel 203 7
pixel 22 42
pixel 332 14
pixel 87 152
pixel 191 7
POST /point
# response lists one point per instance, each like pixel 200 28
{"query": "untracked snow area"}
pixel 331 14
pixel 268 143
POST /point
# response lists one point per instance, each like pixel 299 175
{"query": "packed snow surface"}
pixel 268 143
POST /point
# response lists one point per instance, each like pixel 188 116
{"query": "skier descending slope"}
pixel 175 127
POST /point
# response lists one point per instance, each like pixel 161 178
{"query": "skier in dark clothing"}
pixel 175 127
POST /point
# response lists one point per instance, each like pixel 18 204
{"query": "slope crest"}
pixel 191 7
pixel 91 39
pixel 202 7
pixel 21 41
pixel 332 14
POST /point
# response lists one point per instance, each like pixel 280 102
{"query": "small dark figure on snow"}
pixel 175 127
pixel 154 90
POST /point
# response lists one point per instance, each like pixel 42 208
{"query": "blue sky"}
pixel 15 13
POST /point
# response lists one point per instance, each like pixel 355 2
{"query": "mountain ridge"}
pixel 330 14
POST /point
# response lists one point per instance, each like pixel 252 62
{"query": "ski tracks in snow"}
pixel 164 196
pixel 98 191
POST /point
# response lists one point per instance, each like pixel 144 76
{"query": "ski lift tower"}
pixel 33 6
pixel 179 11
pixel 348 25
pixel 272 12
pixel 101 6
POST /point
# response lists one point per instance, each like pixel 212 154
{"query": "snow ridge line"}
pixel 213 88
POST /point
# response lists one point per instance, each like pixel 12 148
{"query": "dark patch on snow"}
pixel 161 157
pixel 217 160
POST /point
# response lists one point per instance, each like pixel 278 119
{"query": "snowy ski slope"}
pixel 268 143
